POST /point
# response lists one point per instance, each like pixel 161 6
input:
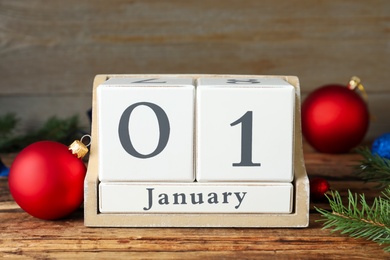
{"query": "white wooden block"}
pixel 244 129
pixel 195 198
pixel 146 129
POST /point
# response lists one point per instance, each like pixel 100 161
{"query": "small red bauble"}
pixel 318 188
pixel 46 180
pixel 334 119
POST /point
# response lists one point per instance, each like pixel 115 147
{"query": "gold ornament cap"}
pixel 355 83
pixel 78 148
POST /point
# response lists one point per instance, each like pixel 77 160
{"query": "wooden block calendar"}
pixel 196 151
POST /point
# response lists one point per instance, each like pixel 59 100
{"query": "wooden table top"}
pixel 24 236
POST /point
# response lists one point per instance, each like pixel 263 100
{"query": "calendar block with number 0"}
pixel 146 129
pixel 196 151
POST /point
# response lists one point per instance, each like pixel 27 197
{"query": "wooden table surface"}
pixel 22 236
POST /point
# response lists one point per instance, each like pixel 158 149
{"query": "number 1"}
pixel 246 139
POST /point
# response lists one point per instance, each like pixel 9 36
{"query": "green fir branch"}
pixel 8 123
pixel 359 219
pixel 60 130
pixel 374 168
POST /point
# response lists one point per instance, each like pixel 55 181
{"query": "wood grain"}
pixel 51 51
pixel 23 236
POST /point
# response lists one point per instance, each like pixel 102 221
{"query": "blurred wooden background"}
pixel 50 51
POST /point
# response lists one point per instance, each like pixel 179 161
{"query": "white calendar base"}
pixel 297 217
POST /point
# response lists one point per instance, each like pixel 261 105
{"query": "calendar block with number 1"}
pixel 196 151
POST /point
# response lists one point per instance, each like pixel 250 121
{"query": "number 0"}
pixel 124 135
pixel 246 139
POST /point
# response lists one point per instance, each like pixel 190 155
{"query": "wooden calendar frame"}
pixel 299 218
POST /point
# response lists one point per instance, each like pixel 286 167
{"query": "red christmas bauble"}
pixel 46 180
pixel 334 119
pixel 318 188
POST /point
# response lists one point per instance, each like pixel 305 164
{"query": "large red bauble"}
pixel 334 119
pixel 46 180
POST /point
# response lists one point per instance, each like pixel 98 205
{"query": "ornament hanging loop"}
pixel 86 136
pixel 354 83
pixel 78 148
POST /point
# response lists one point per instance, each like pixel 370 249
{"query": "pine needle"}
pixel 358 219
pixel 374 168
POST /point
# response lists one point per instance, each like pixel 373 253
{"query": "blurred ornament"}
pixel 335 118
pixel 318 188
pixel 381 146
pixel 46 179
pixel 4 170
